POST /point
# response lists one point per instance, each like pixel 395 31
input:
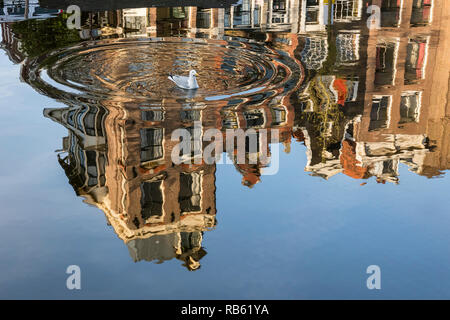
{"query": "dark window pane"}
pixel 151 144
pixel 385 64
pixel 390 13
pixel 151 199
pixel 379 114
pixel 190 192
pixel 415 60
pixel 409 107
pixel 254 118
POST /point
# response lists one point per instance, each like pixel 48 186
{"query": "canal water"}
pixel 354 123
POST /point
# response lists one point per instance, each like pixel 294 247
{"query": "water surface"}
pixel 87 176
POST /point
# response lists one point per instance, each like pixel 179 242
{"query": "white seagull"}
pixel 186 82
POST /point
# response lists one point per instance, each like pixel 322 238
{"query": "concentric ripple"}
pixel 139 68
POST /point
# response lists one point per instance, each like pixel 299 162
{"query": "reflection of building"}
pixel 21 10
pixel 291 15
pixel 161 21
pixel 317 14
pixel 271 110
pixel 13 11
pixel 407 88
pixel 332 51
pixel 111 5
pixel 157 209
pixel 407 73
pixel 11 44
pixel 296 16
pixel 361 100
pixel 266 14
pixel 119 156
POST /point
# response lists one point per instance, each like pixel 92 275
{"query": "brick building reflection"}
pixel 364 102
pixel 153 22
pixel 386 84
pixel 405 117
pixel 122 165
pixel 117 156
pixel 370 99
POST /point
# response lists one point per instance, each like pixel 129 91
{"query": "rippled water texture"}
pixel 139 69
